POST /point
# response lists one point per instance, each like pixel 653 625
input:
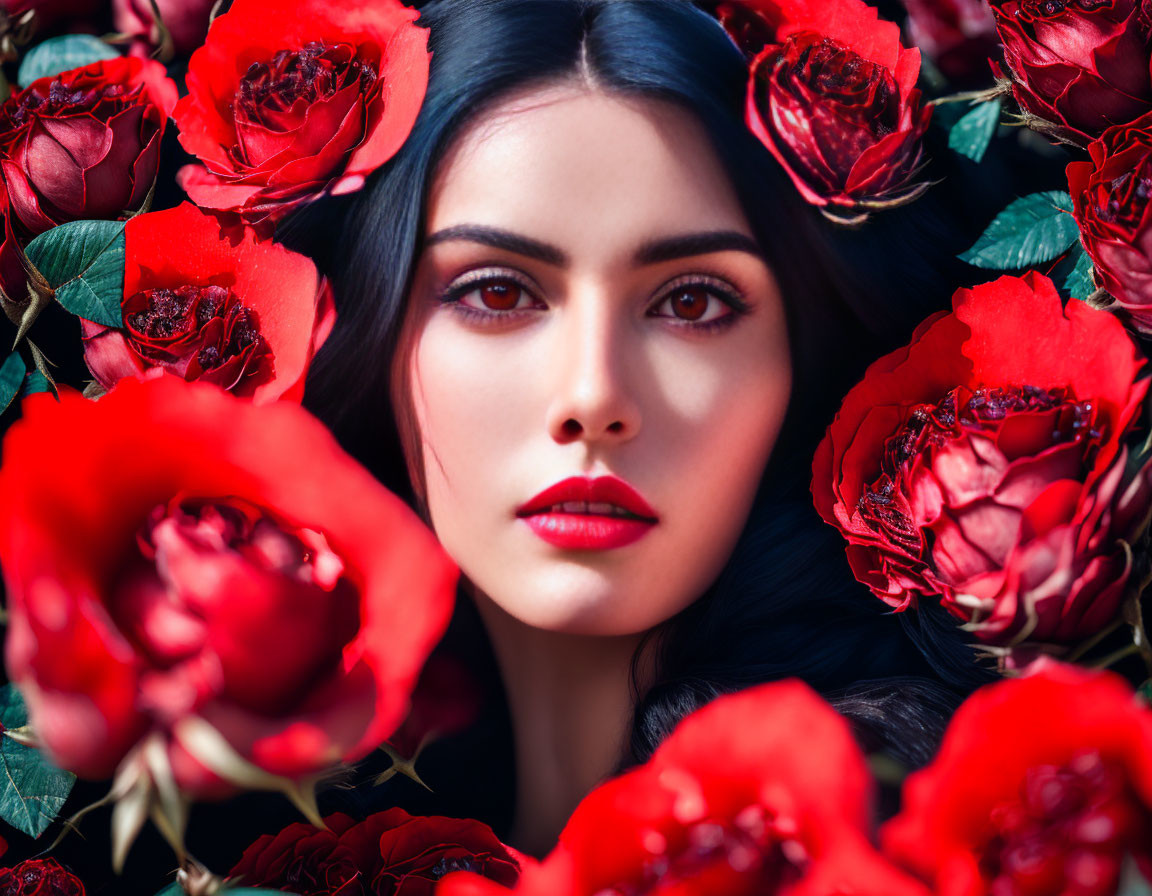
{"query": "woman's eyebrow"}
pixel 684 245
pixel 500 239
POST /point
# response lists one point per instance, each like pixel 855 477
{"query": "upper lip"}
pixel 601 490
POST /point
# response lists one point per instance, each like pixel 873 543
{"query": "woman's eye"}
pixel 496 295
pixel 697 304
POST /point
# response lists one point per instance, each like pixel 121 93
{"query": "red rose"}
pixel 1042 787
pixel 58 15
pixel 759 792
pixel 388 854
pixel 957 35
pixel 186 21
pixel 1080 65
pixel 1110 203
pixel 39 877
pixel 983 465
pixel 236 311
pixel 286 102
pixel 206 563
pixel 835 101
pixel 84 143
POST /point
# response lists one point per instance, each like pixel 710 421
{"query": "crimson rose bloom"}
pixel 1042 786
pixel 239 312
pixel 208 562
pixel 760 792
pixel 289 101
pixel 1080 65
pixel 39 877
pixel 1110 203
pixel 983 465
pixel 84 143
pixel 388 854
pixel 835 101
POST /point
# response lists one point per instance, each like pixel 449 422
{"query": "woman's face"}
pixel 597 360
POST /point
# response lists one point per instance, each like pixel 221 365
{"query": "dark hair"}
pixel 786 604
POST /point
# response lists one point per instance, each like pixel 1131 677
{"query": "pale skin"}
pixel 591 301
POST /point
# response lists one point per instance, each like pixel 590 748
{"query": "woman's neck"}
pixel 571 702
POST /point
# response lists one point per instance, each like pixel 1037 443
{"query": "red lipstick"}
pixel 583 514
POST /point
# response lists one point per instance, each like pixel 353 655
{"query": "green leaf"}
pixel 59 54
pixel 32 790
pixel 11 376
pixel 1079 284
pixel 1144 692
pixel 1132 882
pixel 971 135
pixel 1031 230
pixel 84 262
pixel 35 382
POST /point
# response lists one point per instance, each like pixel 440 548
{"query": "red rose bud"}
pixel 957 35
pixel 286 103
pixel 211 586
pixel 759 792
pixel 230 309
pixel 39 877
pixel 1110 203
pixel 186 21
pixel 835 102
pixel 390 854
pixel 84 143
pixel 1079 65
pixel 1001 810
pixel 983 465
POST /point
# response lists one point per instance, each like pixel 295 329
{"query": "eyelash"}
pixel 718 287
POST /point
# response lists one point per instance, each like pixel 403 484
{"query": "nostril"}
pixel 571 428
pixel 615 427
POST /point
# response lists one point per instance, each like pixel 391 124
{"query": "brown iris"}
pixel 690 303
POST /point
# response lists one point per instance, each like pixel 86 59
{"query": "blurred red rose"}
pixel 84 143
pixel 1110 202
pixel 388 854
pixel 759 792
pixel 1042 787
pixel 1080 65
pixel 39 877
pixel 204 561
pixel 957 35
pixel 287 102
pixel 835 101
pixel 983 464
pixel 186 21
pixel 245 314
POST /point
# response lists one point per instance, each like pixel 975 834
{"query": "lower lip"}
pixel 586 532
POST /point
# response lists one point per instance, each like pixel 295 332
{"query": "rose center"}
pixel 157 315
pixel 309 74
pixel 61 99
pixel 1125 198
pixel 841 75
pixel 748 845
pixel 1069 832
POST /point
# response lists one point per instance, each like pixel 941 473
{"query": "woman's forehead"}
pixel 585 170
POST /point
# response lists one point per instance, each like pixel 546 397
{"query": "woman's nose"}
pixel 593 399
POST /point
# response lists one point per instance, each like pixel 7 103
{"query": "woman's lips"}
pixel 584 514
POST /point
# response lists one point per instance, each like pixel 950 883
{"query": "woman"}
pixel 607 334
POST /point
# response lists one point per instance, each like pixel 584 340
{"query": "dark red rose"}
pixel 1081 65
pixel 983 465
pixel 287 102
pixel 1110 203
pixel 760 792
pixel 186 21
pixel 85 143
pixel 206 563
pixel 39 877
pixel 835 101
pixel 957 35
pixel 388 854
pixel 230 309
pixel 53 16
pixel 1042 787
